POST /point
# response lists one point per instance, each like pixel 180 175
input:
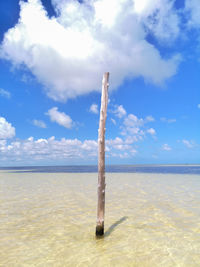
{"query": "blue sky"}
pixel 52 58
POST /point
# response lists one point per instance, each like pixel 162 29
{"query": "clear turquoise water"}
pixel 48 219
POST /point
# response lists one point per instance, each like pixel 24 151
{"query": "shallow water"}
pixel 48 219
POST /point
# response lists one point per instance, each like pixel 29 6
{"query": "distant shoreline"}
pixel 93 165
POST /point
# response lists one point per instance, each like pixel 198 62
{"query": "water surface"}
pixel 48 219
pixel 178 169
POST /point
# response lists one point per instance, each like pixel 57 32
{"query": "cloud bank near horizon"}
pixel 69 53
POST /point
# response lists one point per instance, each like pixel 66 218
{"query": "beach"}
pixel 49 219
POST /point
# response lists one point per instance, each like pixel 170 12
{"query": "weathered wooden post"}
pixel 101 157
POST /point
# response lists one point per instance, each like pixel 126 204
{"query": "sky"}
pixel 53 54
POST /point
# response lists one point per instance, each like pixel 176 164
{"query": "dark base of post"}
pixel 99 230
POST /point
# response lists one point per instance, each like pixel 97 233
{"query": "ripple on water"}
pixel 49 220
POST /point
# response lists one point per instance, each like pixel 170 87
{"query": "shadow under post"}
pixel 114 225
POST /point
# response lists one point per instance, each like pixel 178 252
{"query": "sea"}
pixel 48 216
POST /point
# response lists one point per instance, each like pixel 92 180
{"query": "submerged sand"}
pixel 49 220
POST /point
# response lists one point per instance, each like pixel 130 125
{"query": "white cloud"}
pixel 135 128
pixel 118 144
pixel 149 118
pixel 94 108
pixel 39 123
pixel 120 111
pixel 198 105
pixel 133 121
pixel 48 149
pixel 60 117
pixel 91 146
pixel 166 147
pixel 131 139
pixel 6 129
pixel 189 144
pixel 63 150
pixel 193 9
pixel 163 119
pixel 69 53
pixel 4 93
pixel 160 17
pixel 121 148
pixel 132 125
pixel 151 131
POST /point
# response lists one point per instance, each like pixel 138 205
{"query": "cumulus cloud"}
pixel 160 17
pixel 118 144
pixel 6 129
pixel 151 131
pixel 121 148
pixel 132 125
pixel 68 53
pixel 39 123
pixel 60 117
pixel 166 147
pixel 120 111
pixel 5 93
pixel 48 149
pixel 94 108
pixel 134 129
pixel 61 150
pixel 132 120
pixel 188 144
pixel 193 9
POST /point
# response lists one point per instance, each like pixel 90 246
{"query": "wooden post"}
pixel 101 157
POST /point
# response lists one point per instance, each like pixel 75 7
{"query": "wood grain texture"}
pixel 101 157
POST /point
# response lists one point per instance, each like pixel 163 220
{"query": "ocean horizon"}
pixel 138 168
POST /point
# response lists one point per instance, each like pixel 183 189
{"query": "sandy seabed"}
pixel 48 219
